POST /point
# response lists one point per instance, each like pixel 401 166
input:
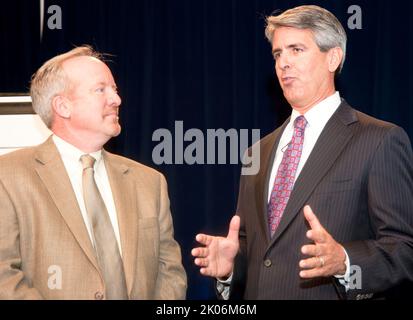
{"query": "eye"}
pixel 276 55
pixel 297 50
pixel 100 90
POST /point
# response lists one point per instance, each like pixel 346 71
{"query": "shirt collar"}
pixel 321 112
pixel 71 153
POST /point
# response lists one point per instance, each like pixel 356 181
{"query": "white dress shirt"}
pixel 317 118
pixel 71 160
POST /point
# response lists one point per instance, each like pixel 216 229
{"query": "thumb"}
pixel 311 218
pixel 234 228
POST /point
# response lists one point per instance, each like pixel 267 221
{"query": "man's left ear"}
pixel 335 56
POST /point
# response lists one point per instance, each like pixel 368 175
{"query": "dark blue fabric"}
pixel 207 63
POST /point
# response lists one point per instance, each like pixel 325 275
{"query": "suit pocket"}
pixel 334 186
pixel 148 223
pixel 148 239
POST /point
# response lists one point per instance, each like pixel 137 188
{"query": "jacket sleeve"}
pixel 171 282
pixel 239 279
pixel 387 260
pixel 13 284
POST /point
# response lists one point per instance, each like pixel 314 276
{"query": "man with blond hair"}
pixel 329 215
pixel 77 222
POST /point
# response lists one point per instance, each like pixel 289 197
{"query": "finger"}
pixel 313 273
pixel 318 236
pixel 201 262
pixel 206 272
pixel 203 239
pixel 234 225
pixel 311 263
pixel 311 218
pixel 200 252
pixel 311 250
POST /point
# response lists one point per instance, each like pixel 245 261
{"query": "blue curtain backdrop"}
pixel 208 64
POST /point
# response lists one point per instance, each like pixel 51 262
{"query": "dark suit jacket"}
pixel 359 182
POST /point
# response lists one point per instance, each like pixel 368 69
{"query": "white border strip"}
pixel 15 99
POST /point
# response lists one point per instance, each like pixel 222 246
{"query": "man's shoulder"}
pixel 375 127
pixel 18 164
pixel 375 130
pixel 135 166
pixel 371 122
pixel 18 157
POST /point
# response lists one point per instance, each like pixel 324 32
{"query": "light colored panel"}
pixel 18 131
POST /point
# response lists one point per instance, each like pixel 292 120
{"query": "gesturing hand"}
pixel 327 256
pixel 216 258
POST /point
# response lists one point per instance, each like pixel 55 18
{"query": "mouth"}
pixel 287 80
pixel 113 115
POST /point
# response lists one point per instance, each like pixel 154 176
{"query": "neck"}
pixel 302 109
pixel 84 142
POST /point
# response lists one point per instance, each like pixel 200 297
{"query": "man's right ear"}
pixel 61 106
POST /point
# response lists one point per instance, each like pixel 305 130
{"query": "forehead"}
pixel 286 36
pixel 87 69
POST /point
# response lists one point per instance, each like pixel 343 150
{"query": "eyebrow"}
pixel 291 46
pixel 102 83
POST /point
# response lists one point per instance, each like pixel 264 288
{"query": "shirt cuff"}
pixel 223 287
pixel 345 278
pixel 228 281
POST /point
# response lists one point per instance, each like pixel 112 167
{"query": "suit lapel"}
pixel 268 150
pixel 123 190
pixel 328 148
pixel 53 174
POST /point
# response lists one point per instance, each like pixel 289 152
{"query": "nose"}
pixel 283 61
pixel 115 99
pixel 118 100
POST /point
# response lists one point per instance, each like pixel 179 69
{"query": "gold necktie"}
pixel 106 246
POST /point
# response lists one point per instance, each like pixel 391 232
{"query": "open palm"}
pixel 216 258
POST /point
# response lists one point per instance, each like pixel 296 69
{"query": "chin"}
pixel 115 131
pixel 292 98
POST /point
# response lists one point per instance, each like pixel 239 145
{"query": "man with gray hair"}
pixel 329 215
pixel 77 222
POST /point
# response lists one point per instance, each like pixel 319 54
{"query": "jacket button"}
pixel 267 263
pixel 99 295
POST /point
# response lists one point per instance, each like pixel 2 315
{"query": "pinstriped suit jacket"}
pixel 359 182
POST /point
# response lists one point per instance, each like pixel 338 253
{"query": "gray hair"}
pixel 51 80
pixel 328 31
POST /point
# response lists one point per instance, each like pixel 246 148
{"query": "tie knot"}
pixel 300 122
pixel 87 161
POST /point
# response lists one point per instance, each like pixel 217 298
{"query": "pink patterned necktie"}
pixel 284 181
